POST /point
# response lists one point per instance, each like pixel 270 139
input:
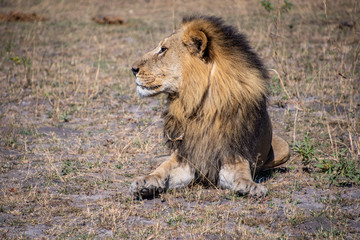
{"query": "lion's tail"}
pixel 281 152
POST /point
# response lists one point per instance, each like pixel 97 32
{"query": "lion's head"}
pixel 163 69
pixel 159 71
pixel 202 53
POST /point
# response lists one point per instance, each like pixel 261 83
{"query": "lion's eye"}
pixel 162 50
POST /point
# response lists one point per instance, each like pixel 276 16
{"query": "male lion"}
pixel 216 122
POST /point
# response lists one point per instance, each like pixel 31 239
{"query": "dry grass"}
pixel 73 133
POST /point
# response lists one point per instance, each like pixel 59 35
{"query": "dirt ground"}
pixel 74 134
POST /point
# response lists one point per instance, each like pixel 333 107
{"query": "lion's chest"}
pixel 199 145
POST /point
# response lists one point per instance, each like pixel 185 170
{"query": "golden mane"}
pixel 220 95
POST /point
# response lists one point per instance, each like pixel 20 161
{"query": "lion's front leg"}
pixel 237 177
pixel 169 175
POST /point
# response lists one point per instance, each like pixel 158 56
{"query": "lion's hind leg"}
pixel 169 175
pixel 237 177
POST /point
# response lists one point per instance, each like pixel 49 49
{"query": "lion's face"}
pixel 159 71
pixel 181 55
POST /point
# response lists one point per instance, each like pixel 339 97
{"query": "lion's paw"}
pixel 252 189
pixel 147 186
pixel 258 190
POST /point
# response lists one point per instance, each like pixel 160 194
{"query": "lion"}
pixel 216 121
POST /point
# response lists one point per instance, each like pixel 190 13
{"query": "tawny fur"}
pixel 216 115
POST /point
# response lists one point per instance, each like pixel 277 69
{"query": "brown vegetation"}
pixel 108 20
pixel 21 17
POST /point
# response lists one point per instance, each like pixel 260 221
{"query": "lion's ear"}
pixel 195 41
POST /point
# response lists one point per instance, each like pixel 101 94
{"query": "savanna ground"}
pixel 73 133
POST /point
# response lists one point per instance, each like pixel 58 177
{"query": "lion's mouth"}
pixel 148 88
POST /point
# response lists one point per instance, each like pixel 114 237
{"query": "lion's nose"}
pixel 135 71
